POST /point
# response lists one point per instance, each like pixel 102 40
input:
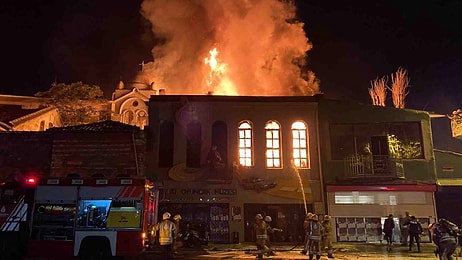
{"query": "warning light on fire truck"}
pixel 31 180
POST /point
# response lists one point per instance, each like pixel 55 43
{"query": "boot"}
pixel 303 252
pixel 330 255
pixel 311 257
pixel 318 257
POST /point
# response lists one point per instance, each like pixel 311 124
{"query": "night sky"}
pixel 103 41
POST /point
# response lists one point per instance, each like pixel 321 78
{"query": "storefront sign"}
pixel 201 192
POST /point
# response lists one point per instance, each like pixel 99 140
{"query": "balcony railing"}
pixel 373 166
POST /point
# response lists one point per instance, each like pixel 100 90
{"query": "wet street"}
pixel 343 251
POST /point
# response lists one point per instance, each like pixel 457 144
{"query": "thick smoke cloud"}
pixel 259 44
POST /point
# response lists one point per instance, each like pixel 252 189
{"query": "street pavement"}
pixel 342 251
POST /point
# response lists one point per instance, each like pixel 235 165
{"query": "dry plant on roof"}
pixel 378 92
pixel 399 85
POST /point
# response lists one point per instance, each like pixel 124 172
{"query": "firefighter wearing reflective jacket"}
pixel 315 234
pixel 327 236
pixel 261 235
pixel 444 235
pixel 166 232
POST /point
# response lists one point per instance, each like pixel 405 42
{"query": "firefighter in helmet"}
pixel 306 224
pixel 261 235
pixel 177 244
pixel 327 236
pixel 166 231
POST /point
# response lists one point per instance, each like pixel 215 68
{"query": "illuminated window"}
pixel 245 144
pixel 300 145
pixel 273 145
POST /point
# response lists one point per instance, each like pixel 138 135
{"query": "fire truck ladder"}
pixel 18 214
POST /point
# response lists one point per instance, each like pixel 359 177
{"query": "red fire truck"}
pixel 73 217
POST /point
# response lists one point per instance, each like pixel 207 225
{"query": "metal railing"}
pixel 373 166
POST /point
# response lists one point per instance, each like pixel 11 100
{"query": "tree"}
pixel 77 103
pixel 378 92
pixel 399 85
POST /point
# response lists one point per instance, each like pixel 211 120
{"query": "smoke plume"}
pixel 228 47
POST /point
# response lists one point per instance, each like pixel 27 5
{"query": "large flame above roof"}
pixel 238 47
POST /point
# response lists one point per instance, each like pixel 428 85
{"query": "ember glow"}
pixel 238 47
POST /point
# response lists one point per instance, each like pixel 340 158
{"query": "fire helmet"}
pixel 315 217
pixel 309 215
pixel 166 215
pixel 268 219
pixel 177 217
pixel 258 216
pixel 326 217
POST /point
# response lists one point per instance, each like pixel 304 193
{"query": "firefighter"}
pixel 166 231
pixel 315 234
pixel 444 235
pixel 177 243
pixel 261 236
pixel 327 236
pixel 306 224
pixel 270 230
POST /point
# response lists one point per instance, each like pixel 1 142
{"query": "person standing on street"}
pixel 261 236
pixel 306 224
pixel 166 232
pixel 415 230
pixel 388 227
pixel 327 236
pixel 315 231
pixel 177 244
pixel 270 230
pixel 405 228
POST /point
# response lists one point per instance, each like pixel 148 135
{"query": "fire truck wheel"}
pixel 95 248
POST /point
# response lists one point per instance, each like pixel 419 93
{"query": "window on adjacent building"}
pixel 403 140
pixel 300 145
pixel 273 145
pixel 245 144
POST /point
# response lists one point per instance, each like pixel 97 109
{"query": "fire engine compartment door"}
pixel 118 207
pixel 55 194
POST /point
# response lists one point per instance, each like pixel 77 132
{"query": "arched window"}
pixel 166 139
pixel 42 126
pixel 300 145
pixel 193 144
pixel 245 144
pixel 273 145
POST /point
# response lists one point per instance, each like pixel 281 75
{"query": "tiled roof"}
pixel 103 126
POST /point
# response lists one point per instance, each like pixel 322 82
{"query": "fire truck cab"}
pixel 88 218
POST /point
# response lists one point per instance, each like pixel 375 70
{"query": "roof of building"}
pixel 9 113
pixel 102 126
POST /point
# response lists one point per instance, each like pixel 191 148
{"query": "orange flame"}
pixel 217 80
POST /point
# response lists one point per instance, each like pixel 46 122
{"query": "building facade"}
pixel 224 159
pixel 21 113
pixel 361 163
pixel 376 161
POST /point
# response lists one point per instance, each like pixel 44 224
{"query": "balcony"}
pixel 373 166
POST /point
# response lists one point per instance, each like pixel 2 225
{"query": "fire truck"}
pixel 63 218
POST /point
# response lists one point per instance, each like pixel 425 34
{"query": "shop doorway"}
pixel 211 221
pixel 288 217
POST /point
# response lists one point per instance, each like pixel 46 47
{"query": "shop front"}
pixel 204 210
pixel 359 211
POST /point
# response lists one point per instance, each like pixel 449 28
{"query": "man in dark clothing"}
pixel 415 230
pixel 388 227
pixel 445 235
